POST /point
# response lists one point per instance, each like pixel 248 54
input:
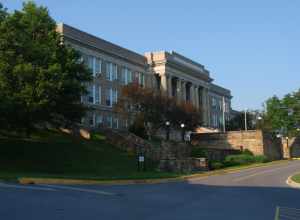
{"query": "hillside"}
pixel 54 154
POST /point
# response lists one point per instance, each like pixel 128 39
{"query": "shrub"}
pixel 216 165
pixel 241 159
pixel 248 152
pixel 198 152
pixel 261 159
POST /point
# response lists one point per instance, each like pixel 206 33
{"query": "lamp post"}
pixel 182 125
pixel 246 127
pixel 167 130
pixel 258 124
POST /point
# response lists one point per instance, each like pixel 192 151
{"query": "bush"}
pixel 248 152
pixel 242 159
pixel 198 152
pixel 261 159
pixel 216 165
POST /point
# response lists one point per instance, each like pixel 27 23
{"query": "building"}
pixel 114 66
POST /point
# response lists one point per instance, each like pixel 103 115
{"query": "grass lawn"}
pixel 296 178
pixel 54 154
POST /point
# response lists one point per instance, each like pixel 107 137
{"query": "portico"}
pixel 182 79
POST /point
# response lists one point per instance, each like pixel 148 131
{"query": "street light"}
pixel 182 128
pixel 168 130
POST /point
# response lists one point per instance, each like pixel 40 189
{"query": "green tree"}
pixel 41 79
pixel 282 114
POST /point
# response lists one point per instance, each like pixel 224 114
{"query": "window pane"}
pixel 97 94
pixel 98 66
pixel 90 94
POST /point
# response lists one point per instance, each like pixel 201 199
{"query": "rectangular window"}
pixel 98 66
pixel 99 120
pixel 126 77
pixel 90 94
pixel 114 96
pixel 97 94
pixel 90 64
pixel 141 79
pixel 108 97
pixel 91 119
pixel 111 71
pixel 109 121
pixel 111 97
pixel 115 123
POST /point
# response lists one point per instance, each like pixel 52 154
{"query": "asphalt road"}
pixel 249 194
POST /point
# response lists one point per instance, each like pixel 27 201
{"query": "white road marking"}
pixel 260 173
pixel 81 190
pixel 26 187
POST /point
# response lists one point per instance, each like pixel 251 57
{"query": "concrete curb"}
pixel 61 181
pixel 291 182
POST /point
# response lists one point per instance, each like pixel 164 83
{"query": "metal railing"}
pixel 286 213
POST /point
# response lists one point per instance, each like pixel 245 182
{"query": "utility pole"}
pixel 246 128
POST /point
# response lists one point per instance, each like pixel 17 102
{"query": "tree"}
pixel 41 79
pixel 282 114
pixel 237 122
pixel 152 109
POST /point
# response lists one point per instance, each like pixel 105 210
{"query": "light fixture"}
pixel 167 123
pixel 182 125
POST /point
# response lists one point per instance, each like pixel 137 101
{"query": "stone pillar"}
pixel 197 96
pixel 169 86
pixel 183 86
pixel 179 90
pixel 163 83
pixel 205 107
pixel 192 95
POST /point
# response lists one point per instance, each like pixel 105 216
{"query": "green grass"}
pixel 54 154
pixel 296 178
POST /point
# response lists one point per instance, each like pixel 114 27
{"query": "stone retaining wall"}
pixel 256 141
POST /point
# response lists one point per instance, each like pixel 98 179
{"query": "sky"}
pixel 250 47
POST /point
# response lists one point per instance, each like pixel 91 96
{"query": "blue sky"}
pixel 251 47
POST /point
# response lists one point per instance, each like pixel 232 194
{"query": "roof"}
pixel 79 36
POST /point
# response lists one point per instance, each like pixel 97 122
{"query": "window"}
pixel 111 71
pixel 108 97
pixel 98 66
pixel 114 96
pixel 90 94
pixel 141 79
pixel 126 77
pixel 115 123
pixel 91 120
pixel 98 120
pixel 214 102
pixel 111 97
pixel 97 94
pixel 109 121
pixel 90 64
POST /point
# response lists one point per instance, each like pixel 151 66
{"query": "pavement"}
pixel 247 194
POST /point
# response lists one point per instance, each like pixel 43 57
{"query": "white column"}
pixel 183 83
pixel 179 90
pixel 163 83
pixel 197 96
pixel 169 87
pixel 192 100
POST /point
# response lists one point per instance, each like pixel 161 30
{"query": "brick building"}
pixel 114 66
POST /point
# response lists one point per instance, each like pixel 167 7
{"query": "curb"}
pixel 292 183
pixel 61 181
pixel 32 180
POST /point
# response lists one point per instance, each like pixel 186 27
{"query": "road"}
pixel 248 194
